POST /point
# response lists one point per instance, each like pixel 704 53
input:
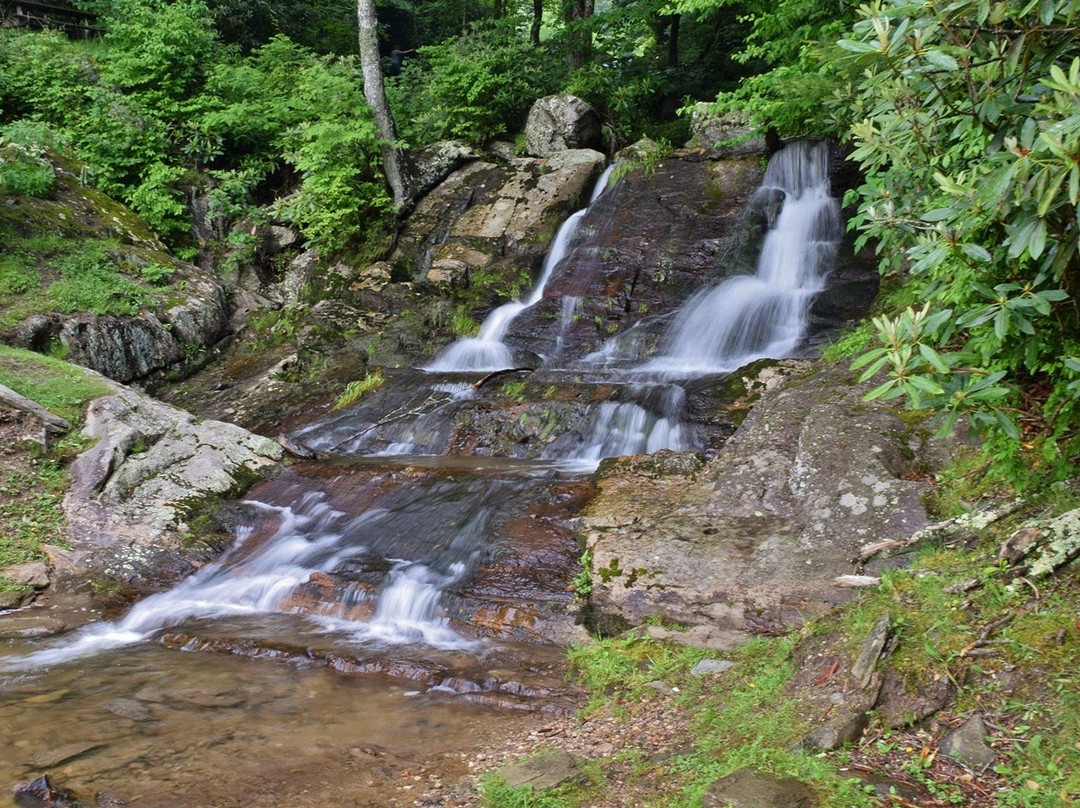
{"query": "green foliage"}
pixel 43 77
pixel 496 793
pixel 25 170
pixel 462 323
pixel 158 51
pixel 793 39
pixel 967 130
pixel 53 273
pixel 474 87
pixel 356 390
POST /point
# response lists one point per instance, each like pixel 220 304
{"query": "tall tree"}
pixel 375 93
pixel 537 21
pixel 577 13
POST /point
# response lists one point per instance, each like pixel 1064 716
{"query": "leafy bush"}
pixel 474 87
pixel 967 132
pixel 25 170
pixel 43 77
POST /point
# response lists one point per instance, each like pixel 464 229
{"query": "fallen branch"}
pixel 52 423
pixel 485 379
pixel 856 581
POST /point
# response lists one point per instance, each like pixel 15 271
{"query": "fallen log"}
pixel 51 422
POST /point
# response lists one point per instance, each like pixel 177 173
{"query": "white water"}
pixel 487 351
pixel 620 428
pixel 751 317
pixel 311 537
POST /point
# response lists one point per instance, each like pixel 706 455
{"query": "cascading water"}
pixel 654 421
pixel 429 537
pixel 751 317
pixel 486 351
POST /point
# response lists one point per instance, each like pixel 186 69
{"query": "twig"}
pixel 485 379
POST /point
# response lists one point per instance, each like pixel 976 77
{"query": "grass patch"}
pixel 51 273
pixel 30 512
pixel 61 388
pixel 356 390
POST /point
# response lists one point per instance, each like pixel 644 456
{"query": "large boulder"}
pixel 495 215
pixel 753 542
pixel 560 122
pixel 135 348
pixel 133 494
pixel 725 135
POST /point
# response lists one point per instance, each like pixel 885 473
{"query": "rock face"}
pixel 752 542
pixel 494 216
pixel 169 333
pixel 132 348
pixel 560 122
pixel 643 247
pixel 152 467
pixel 728 135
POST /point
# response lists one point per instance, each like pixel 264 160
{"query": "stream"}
pixel 403 600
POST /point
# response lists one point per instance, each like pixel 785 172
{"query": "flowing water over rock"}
pixel 431 545
pixel 487 351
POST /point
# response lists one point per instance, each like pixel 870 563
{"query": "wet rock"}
pixel 542 771
pixel 132 709
pixel 560 122
pixel 707 667
pixel 63 754
pixel 645 245
pixel 48 698
pixel 749 788
pixel 40 793
pixel 20 627
pixel 14 598
pixel 967 744
pixel 34 574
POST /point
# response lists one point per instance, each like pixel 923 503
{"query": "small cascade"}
pixel 441 527
pixel 487 351
pixel 652 420
pixel 750 317
pixel 567 312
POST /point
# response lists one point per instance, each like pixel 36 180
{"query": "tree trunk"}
pixel 673 41
pixel 537 21
pixel 577 11
pixel 375 94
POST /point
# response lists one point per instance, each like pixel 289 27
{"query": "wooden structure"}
pixel 24 14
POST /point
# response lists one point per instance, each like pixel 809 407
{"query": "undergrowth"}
pixel 1023 680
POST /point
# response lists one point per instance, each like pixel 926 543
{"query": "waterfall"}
pixel 750 317
pixel 653 419
pixel 487 351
